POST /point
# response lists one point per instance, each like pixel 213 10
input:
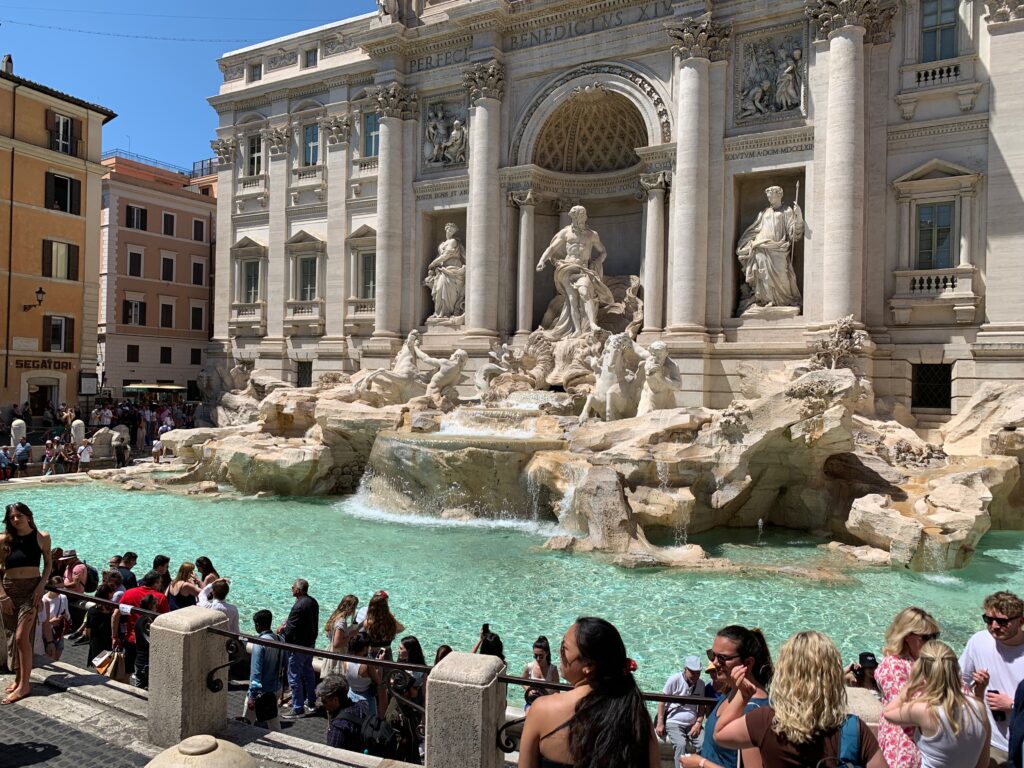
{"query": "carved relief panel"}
pixel 445 125
pixel 771 75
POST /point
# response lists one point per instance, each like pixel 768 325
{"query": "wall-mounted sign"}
pixel 44 365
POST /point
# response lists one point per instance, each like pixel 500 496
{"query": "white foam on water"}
pixel 359 508
pixel 944 579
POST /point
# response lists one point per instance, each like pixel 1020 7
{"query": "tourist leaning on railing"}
pixel 603 715
pixel 302 628
pixel 24 549
pixel 133 599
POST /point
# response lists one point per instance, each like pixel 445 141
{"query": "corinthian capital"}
pixel 700 37
pixel 394 100
pixel 485 80
pixel 523 197
pixel 278 139
pixel 225 150
pixel 659 180
pixel 830 15
pixel 337 128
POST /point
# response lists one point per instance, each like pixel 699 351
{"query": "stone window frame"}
pixel 248 250
pixel 247 154
pixel 172 302
pixel 967 32
pixel 300 246
pixel 193 305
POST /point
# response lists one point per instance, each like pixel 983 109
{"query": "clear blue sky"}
pixel 158 88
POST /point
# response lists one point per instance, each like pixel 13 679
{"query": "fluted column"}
pixel 485 82
pixel 699 42
pixel 843 25
pixel 654 185
pixel 395 103
pixel 335 131
pixel 276 288
pixel 526 203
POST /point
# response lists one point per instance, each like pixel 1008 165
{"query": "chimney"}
pixel 7 64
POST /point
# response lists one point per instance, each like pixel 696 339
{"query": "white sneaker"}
pixel 310 710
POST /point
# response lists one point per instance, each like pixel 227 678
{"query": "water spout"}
pixel 760 531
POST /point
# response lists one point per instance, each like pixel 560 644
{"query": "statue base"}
pixel 455 321
pixel 769 313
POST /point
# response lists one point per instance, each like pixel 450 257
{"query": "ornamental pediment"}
pixel 935 168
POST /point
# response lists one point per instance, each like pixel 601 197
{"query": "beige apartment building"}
pixel 156 256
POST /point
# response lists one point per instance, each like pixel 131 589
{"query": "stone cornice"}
pixel 827 16
pixel 547 185
pixel 394 100
pixel 700 37
pixel 527 15
pixel 770 143
pixel 955 128
pixel 484 80
pixel 453 186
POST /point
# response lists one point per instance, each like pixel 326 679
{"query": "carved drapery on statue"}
pixel 446 276
pixel 765 251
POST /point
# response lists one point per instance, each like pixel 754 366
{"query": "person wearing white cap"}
pixel 683 723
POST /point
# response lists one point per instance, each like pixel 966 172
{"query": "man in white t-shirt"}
pixel 995 658
pixel 105 416
pixel 84 456
pixel 683 723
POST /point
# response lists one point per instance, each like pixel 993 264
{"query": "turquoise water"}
pixel 445 579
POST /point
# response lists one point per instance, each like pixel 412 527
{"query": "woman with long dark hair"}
pixel 381 626
pixel 540 668
pixel 735 649
pixel 26 564
pixel 602 722
pixel 206 570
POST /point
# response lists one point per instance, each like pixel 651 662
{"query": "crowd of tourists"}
pixel 790 711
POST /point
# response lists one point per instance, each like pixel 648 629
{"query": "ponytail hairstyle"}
pixel 750 644
pixel 541 644
pixel 611 726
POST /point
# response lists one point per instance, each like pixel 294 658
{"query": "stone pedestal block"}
pixel 182 651
pixel 465 708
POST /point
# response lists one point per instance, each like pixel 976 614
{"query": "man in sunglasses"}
pixel 994 658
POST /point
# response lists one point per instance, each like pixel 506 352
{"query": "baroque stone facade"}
pixel 345 152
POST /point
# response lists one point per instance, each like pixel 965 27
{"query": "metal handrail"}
pixel 102 601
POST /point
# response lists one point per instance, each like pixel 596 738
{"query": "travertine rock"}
pixel 875 522
pixel 988 421
pixel 187 444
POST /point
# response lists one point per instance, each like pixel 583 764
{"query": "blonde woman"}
pixel 184 590
pixel 909 631
pixel 952 729
pixel 805 723
pixel 340 626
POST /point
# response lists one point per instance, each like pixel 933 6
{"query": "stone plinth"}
pixel 465 708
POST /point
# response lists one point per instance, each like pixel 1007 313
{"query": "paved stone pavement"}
pixel 29 738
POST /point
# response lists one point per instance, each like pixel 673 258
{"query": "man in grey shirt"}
pixel 214 595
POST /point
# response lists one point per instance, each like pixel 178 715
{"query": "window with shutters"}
pixel 166 315
pixel 60 260
pixel 134 263
pixel 58 334
pixel 134 312
pixel 197 319
pixel 132 355
pixel 165 355
pixel 169 222
pixel 167 269
pixel 62 137
pixel 135 217
pixel 198 273
pixel 62 193
pixel 197 356
pixel 198 230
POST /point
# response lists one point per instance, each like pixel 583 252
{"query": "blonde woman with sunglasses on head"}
pixel 951 729
pixel 909 631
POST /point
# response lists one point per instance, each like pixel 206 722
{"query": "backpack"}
pixel 380 739
pixel 92 578
pixel 849 746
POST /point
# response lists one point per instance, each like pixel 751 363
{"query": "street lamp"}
pixel 40 295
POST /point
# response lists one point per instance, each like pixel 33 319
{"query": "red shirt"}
pixel 134 597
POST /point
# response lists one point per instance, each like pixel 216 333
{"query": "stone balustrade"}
pixel 937 73
pixel 308 174
pixel 935 296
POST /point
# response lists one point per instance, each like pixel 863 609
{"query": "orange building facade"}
pixel 155 279
pixel 50 187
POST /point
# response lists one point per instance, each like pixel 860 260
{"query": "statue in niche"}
pixel 787 86
pixel 454 148
pixel 405 380
pixel 446 276
pixel 765 251
pixel 436 132
pixel 579 276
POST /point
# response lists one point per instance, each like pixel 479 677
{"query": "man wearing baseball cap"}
pixel 683 724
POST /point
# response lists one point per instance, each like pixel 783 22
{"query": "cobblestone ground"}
pixel 312 728
pixel 29 738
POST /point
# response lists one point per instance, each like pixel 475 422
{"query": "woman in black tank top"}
pixel 23 550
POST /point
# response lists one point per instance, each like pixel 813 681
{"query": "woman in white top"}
pixel 952 728
pixel 540 668
pixel 54 618
pixel 363 679
pixel 341 625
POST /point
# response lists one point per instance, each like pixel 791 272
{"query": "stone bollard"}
pixel 78 431
pixel 465 708
pixel 18 431
pixel 181 652
pixel 203 752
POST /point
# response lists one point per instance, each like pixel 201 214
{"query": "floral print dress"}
pixel 897 743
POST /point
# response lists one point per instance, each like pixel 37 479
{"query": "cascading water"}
pixel 760 532
pixel 680 535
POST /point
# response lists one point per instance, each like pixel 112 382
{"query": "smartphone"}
pixel 485 629
pixel 999 716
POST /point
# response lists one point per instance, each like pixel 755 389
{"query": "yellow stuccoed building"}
pixel 50 190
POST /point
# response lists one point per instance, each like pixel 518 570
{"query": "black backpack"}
pixel 92 578
pixel 380 739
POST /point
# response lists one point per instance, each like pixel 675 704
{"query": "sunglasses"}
pixel 720 658
pixel 998 620
pixel 927 638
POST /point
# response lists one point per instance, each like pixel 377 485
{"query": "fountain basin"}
pixel 430 473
